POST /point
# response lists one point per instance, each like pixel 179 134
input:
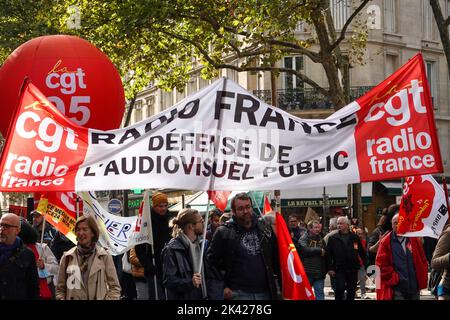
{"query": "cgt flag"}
pixel 423 209
pixel 61 210
pixel 220 198
pixel 294 281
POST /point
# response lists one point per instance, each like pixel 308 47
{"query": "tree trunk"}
pixel 328 60
pixel 442 24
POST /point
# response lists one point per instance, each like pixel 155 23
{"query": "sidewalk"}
pixel 370 292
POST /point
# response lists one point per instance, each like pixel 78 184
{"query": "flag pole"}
pixel 43 229
pixel 211 184
pixel 205 227
pixel 77 206
pixel 147 195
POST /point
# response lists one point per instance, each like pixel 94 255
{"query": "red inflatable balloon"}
pixel 77 77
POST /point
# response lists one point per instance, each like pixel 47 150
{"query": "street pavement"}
pixel 370 292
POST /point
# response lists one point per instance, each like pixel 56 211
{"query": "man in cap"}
pixel 150 255
pixel 38 224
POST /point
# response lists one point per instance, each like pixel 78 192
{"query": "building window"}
pixel 390 17
pixel 391 64
pixel 300 26
pixel 203 83
pixel 340 10
pixel 166 100
pixel 150 101
pixel 428 23
pixel 180 95
pixel 233 74
pixel 192 85
pixel 432 80
pixel 138 111
pixel 292 81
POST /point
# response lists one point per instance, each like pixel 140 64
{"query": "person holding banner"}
pixel 403 266
pixel 245 251
pixel 150 255
pixel 18 270
pixel 181 258
pixel 87 272
pixel 38 224
pixel 441 261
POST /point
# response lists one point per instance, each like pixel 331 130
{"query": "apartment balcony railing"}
pixel 305 98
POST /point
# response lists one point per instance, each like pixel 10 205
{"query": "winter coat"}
pixel 178 272
pixel 345 257
pixel 441 257
pixel 103 283
pixel 137 270
pixel 19 275
pixel 161 236
pixel 310 250
pixel 225 240
pixel 389 278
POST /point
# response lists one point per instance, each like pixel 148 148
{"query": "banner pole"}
pixel 444 183
pixel 205 227
pixel 77 206
pixel 147 196
pixel 43 229
pixel 211 183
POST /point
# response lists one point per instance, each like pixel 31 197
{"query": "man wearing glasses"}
pixel 244 249
pixel 18 271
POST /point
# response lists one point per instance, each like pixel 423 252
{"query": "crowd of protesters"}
pixel 240 258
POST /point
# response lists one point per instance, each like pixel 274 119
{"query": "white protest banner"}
pixel 118 234
pixel 224 138
pixel 423 209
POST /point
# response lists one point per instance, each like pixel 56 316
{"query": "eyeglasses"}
pixel 7 226
pixel 247 207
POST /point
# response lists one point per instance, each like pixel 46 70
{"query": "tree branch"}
pixel 347 23
pixel 303 77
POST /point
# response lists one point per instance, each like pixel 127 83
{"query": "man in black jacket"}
pixel 344 251
pixel 161 235
pixel 182 276
pixel 18 270
pixel 311 248
pixel 245 251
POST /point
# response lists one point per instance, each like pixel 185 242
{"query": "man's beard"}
pixel 245 222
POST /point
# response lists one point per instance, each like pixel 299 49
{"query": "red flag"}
pixel 267 207
pixel 423 209
pixel 60 209
pixel 295 283
pixel 44 149
pixel 220 198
